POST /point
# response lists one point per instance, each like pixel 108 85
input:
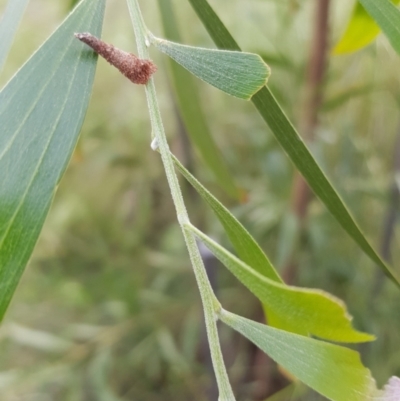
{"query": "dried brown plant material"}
pixel 135 69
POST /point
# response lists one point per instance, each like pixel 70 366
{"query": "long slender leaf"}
pixel 334 371
pixel 294 309
pixel 190 108
pixel 290 140
pixel 245 245
pixel 299 310
pixel 387 16
pixel 41 113
pixel 8 26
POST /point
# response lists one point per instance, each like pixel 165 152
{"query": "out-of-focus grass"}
pixel 108 308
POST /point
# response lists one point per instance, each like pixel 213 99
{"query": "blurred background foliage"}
pixel 108 307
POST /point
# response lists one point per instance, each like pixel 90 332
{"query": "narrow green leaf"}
pixel 236 73
pixel 190 108
pixel 291 141
pixel 41 113
pixel 245 245
pixel 299 310
pixel 334 371
pixel 312 311
pixel 8 26
pixel 360 32
pixel 387 16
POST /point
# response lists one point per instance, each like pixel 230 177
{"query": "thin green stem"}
pixel 211 305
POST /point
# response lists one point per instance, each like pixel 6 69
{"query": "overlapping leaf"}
pixel 387 16
pixel 298 310
pixel 8 26
pixel 334 371
pixel 290 140
pixel 41 113
pixel 360 32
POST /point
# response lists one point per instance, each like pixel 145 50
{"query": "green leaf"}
pixel 299 310
pixel 387 16
pixel 291 141
pixel 360 32
pixel 236 73
pixel 8 26
pixel 190 108
pixel 245 245
pixel 334 371
pixel 41 113
pixel 294 309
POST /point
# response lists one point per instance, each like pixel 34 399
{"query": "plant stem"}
pixel 211 305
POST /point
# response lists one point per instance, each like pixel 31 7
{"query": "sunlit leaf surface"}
pixel 334 371
pixel 360 32
pixel 298 310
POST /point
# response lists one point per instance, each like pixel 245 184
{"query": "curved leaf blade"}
pixel 299 310
pixel 361 31
pixel 387 16
pixel 41 113
pixel 8 26
pixel 311 311
pixel 334 371
pixel 291 142
pixel 244 244
pixel 235 73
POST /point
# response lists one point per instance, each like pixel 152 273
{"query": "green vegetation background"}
pixel 108 307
